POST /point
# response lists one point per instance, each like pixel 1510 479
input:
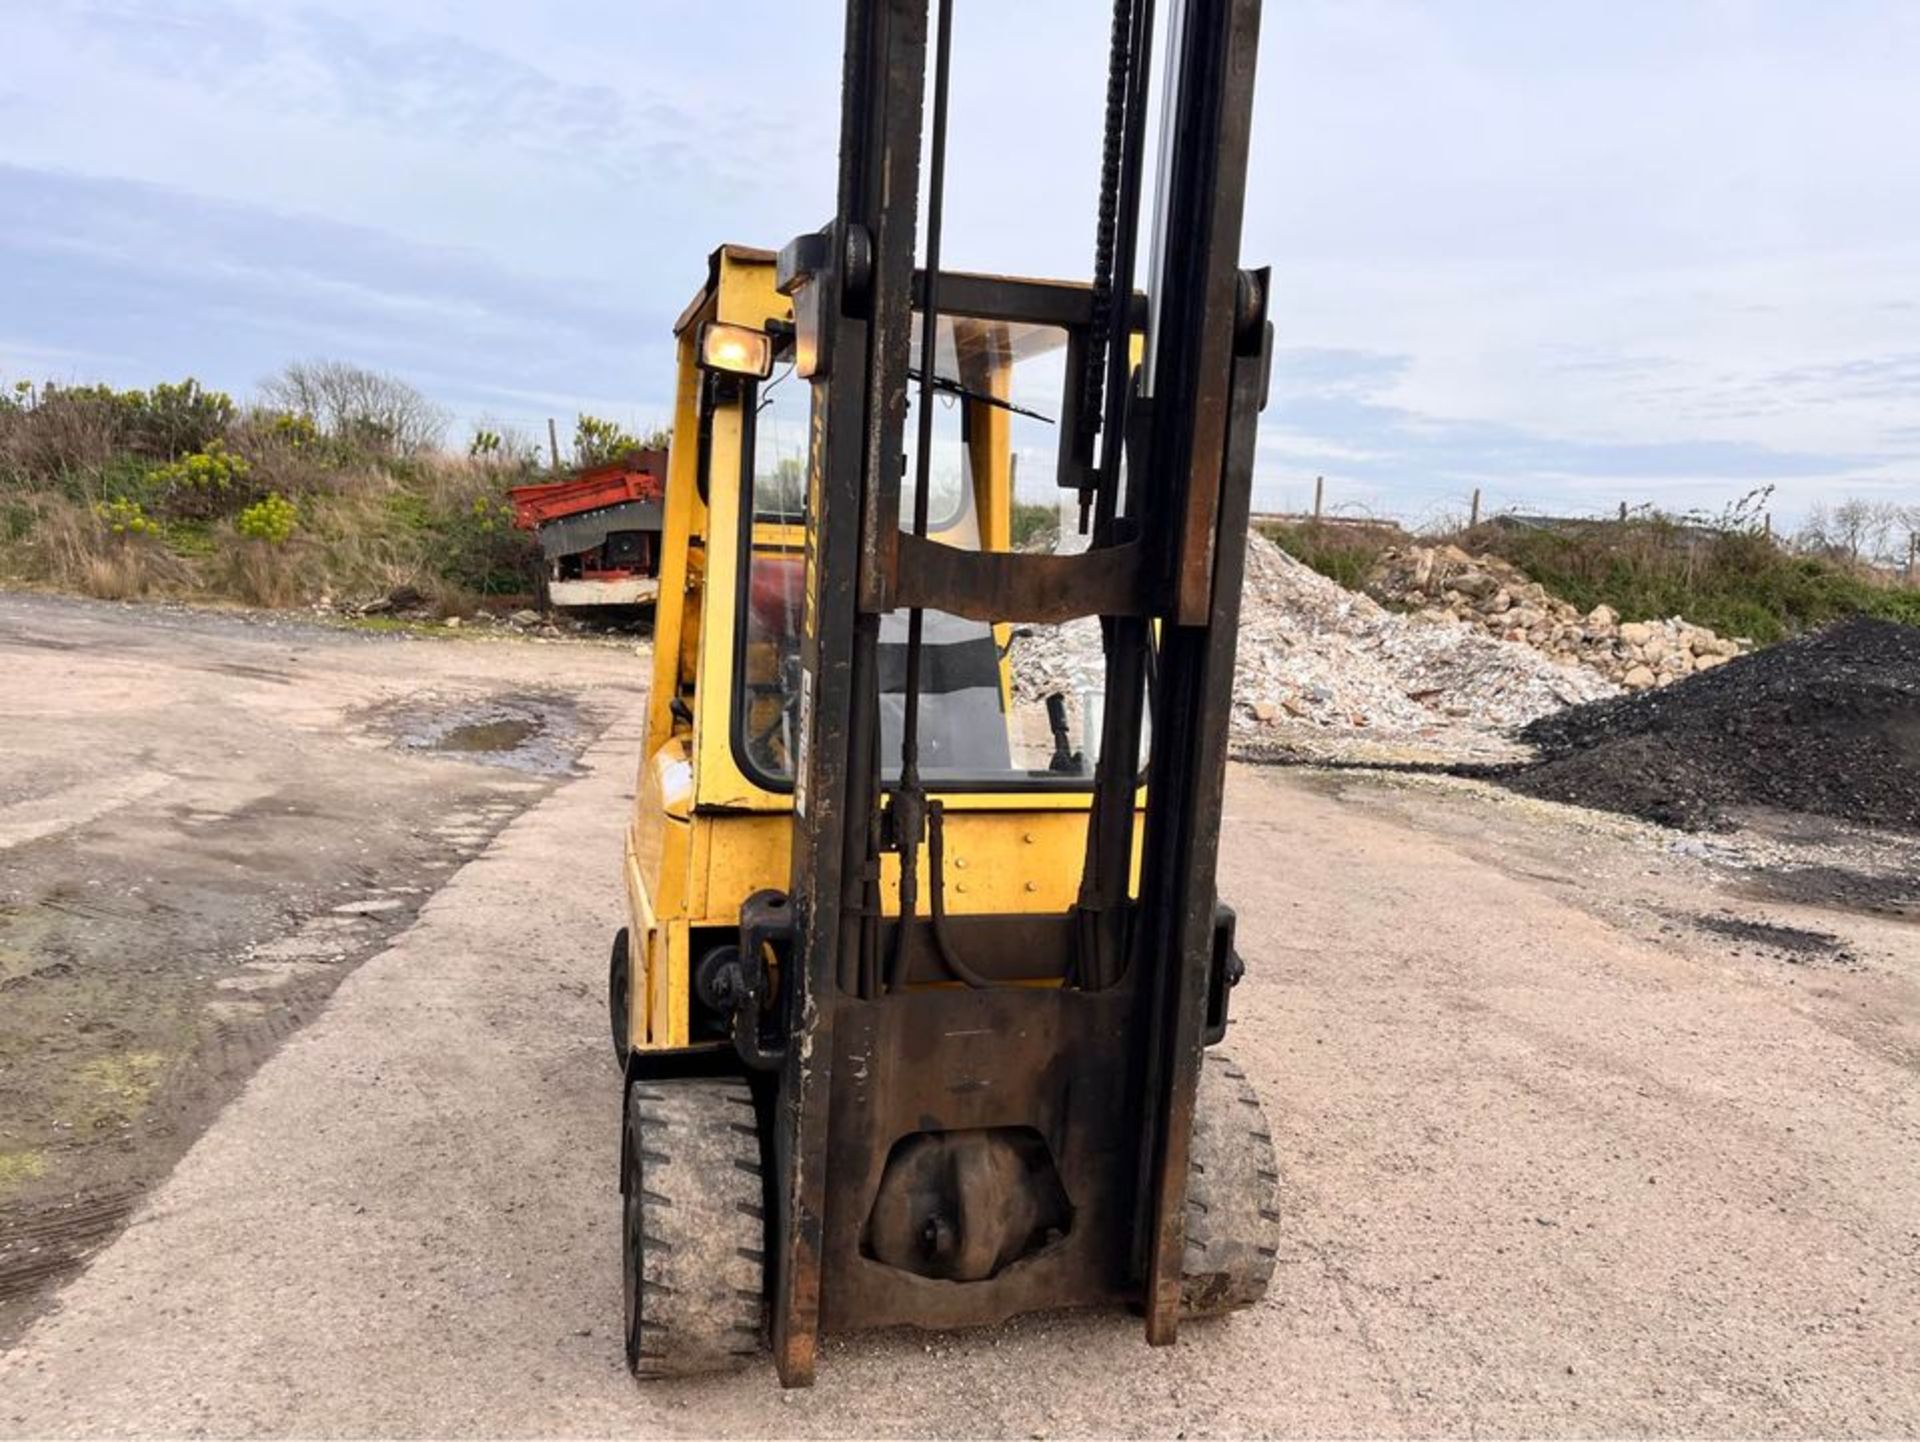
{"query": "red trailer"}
pixel 599 530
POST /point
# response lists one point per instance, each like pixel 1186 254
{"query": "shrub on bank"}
pixel 1340 550
pixel 270 520
pixel 1736 582
pixel 334 492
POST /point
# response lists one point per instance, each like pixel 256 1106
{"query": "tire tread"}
pixel 702 1228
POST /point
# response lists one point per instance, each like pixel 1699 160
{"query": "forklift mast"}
pixel 910 1065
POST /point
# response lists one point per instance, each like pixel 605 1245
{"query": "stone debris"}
pixel 1327 674
pixel 1496 596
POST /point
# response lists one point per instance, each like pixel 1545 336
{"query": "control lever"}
pixel 1066 761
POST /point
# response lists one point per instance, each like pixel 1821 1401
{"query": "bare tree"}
pixel 1862 528
pixel 357 406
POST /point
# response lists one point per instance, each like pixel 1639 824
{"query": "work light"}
pixel 736 350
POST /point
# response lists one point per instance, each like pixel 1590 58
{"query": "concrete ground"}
pixel 206 820
pixel 1563 1155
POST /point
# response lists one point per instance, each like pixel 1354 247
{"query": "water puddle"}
pixel 539 735
pixel 504 735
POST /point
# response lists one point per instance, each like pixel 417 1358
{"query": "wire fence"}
pixel 1445 515
pixel 1472 506
pixel 1877 535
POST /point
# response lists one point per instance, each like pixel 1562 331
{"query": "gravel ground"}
pixel 1828 723
pixel 1557 1161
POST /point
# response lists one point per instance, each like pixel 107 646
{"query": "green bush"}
pixel 1033 522
pixel 1345 553
pixel 166 422
pixel 333 491
pixel 177 420
pixel 126 518
pixel 209 482
pixel 482 550
pixel 598 442
pixel 1738 583
pixel 271 519
pixel 290 429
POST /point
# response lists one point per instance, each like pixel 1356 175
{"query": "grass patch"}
pixel 395 625
pixel 1342 552
pixel 1738 583
pixel 116 1088
pixel 1034 524
pixel 17 1168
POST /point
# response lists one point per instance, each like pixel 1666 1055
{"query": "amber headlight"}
pixel 736 350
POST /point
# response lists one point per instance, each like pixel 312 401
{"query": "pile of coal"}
pixel 1827 724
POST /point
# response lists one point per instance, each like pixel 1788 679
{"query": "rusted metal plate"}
pixel 1055 1060
pixel 1009 586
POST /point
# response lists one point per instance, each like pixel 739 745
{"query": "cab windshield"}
pixel 1000 706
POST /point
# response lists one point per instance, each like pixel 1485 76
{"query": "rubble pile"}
pixel 1823 724
pixel 1497 597
pixel 1327 674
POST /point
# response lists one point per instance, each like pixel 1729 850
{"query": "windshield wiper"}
pixel 954 388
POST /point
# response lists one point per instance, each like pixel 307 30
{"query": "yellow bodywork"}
pixel 704 836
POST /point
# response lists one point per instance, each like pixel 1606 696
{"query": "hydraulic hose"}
pixel 910 800
pixel 937 898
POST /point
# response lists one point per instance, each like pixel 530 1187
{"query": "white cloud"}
pixel 1677 230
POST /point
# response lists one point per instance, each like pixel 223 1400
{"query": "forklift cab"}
pixel 1005 711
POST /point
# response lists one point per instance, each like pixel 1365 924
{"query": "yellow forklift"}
pixel 924 958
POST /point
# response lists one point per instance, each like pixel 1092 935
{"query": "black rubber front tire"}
pixel 693 1234
pixel 1233 1202
pixel 620 996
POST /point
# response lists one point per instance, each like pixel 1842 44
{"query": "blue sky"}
pixel 1570 253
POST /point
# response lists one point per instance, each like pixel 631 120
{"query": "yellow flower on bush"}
pixel 211 471
pixel 295 429
pixel 271 520
pixel 126 518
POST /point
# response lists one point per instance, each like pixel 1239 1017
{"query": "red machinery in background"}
pixel 599 531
